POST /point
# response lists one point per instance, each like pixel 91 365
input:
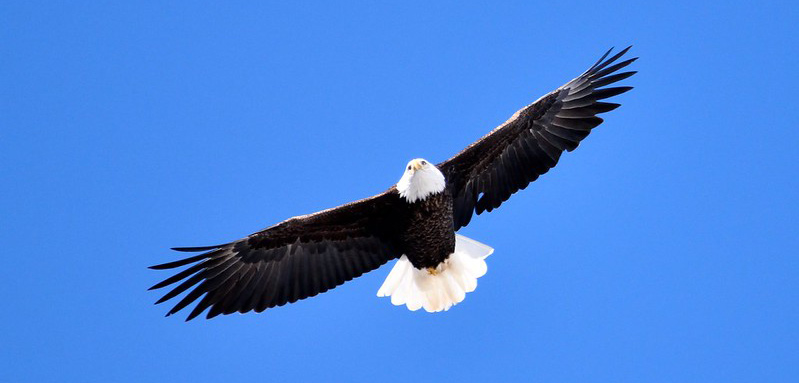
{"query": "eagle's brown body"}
pixel 428 235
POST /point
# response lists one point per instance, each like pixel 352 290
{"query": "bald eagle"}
pixel 414 222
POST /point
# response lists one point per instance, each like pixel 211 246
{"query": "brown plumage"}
pixel 307 255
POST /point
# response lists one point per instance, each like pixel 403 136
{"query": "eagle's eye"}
pixel 424 163
pixel 409 167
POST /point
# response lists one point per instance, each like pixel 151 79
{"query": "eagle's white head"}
pixel 420 180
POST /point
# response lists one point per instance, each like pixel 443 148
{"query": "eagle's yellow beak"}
pixel 416 164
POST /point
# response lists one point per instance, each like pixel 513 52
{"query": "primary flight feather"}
pixel 415 220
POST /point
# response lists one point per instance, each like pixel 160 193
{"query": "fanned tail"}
pixel 442 288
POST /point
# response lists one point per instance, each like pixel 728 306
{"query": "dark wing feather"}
pixel 295 259
pixel 530 143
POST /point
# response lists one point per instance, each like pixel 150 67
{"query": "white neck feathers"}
pixel 417 185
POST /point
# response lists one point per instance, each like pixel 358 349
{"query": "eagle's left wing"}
pixel 486 173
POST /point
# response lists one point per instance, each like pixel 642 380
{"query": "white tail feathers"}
pixel 442 288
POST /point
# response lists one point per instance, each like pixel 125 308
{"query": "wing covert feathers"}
pixel 489 171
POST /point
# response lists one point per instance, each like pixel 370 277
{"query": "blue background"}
pixel 664 249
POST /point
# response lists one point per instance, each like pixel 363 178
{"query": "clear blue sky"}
pixel 663 250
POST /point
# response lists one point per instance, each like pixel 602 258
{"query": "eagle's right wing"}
pixel 295 259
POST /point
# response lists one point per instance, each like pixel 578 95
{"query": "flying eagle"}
pixel 414 221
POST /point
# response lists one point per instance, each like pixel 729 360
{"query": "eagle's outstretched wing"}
pixel 506 160
pixel 295 259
